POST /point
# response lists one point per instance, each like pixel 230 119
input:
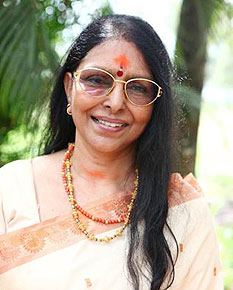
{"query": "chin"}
pixel 110 147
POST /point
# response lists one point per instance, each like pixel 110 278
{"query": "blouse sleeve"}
pixel 2 218
pixel 198 265
pixel 2 221
pixel 18 205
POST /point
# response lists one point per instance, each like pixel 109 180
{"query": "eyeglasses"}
pixel 97 82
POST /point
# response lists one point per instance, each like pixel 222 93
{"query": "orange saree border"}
pixel 35 241
pixel 182 190
pixel 30 243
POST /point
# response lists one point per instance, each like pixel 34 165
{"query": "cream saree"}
pixel 53 254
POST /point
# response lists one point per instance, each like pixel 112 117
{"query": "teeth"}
pixel 108 124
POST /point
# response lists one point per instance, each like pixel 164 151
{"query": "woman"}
pixel 107 213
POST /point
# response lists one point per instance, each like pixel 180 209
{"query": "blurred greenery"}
pixel 28 59
pixel 214 169
pixel 225 236
pixel 198 21
pixel 20 144
pixel 29 33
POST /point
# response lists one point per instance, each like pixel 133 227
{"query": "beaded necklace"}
pixel 69 188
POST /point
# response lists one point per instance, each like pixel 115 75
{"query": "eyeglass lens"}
pixel 99 83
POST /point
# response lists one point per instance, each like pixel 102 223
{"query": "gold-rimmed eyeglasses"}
pixel 97 82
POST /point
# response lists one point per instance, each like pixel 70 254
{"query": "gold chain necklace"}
pixel 67 179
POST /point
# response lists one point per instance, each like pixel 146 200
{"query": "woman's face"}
pixel 109 123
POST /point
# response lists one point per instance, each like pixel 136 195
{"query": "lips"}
pixel 110 123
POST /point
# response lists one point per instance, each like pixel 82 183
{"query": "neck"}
pixel 101 167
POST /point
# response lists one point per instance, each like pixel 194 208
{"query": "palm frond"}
pixel 26 51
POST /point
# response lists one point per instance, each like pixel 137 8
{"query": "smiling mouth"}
pixel 109 124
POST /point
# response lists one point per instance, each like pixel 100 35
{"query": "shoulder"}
pixel 192 224
pixel 15 176
pixel 20 167
pixel 183 189
pixel 52 158
pixel 16 193
pixel 188 207
pixel 24 171
pixel 46 166
pixel 13 169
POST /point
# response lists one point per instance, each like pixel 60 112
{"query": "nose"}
pixel 116 99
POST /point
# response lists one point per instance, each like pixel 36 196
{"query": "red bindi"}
pixel 123 62
pixel 119 73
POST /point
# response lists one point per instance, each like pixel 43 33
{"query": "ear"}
pixel 68 85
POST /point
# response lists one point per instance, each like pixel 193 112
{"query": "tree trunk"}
pixel 190 60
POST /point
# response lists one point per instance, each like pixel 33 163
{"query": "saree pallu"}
pixel 55 255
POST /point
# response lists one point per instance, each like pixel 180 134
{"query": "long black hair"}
pixel 153 150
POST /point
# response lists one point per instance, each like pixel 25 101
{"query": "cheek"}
pixel 143 116
pixel 82 104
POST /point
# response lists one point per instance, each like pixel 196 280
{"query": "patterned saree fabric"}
pixel 55 255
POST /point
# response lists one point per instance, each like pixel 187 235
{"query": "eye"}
pixel 95 80
pixel 137 88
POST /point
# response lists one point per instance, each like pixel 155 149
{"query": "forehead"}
pixel 113 54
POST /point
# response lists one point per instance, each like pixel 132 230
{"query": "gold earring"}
pixel 68 109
